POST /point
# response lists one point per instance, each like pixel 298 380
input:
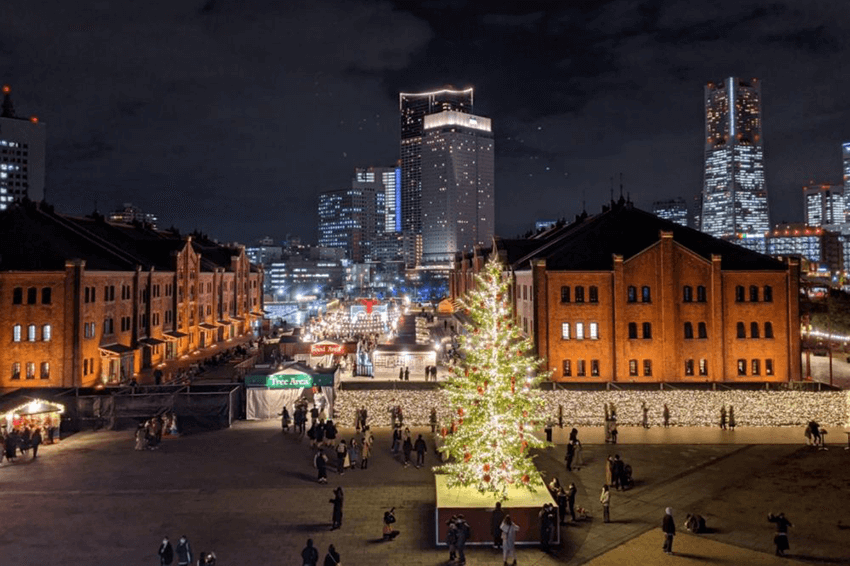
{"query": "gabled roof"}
pixel 589 244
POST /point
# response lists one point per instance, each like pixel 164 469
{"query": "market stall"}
pixel 33 413
pixel 269 390
pixel 326 353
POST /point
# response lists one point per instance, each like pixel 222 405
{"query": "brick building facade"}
pixel 86 301
pixel 625 296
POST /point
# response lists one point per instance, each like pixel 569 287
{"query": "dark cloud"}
pixel 231 116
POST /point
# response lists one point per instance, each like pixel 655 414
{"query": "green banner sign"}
pixel 290 381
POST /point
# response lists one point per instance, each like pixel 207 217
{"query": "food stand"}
pixel 35 413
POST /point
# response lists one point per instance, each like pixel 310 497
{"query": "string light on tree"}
pixel 494 397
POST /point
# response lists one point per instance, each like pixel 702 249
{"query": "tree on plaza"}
pixel 493 395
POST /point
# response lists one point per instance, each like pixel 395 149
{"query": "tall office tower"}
pixel 22 143
pixel 698 211
pixel 387 182
pixel 846 153
pixel 734 202
pixel 413 108
pixel 824 204
pixel 674 210
pixel 348 220
pixel 457 185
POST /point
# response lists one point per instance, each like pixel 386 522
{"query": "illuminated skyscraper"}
pixel 348 219
pixel 824 204
pixel 22 142
pixel 734 202
pixel 387 181
pixel 846 151
pixel 674 210
pixel 413 108
pixel 457 185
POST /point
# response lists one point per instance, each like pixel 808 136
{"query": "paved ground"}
pixel 249 493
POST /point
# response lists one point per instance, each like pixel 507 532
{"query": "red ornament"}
pixel 480 390
pixel 486 478
pixel 525 478
pixel 460 421
pixel 467 456
pixel 443 432
pixel 486 467
pixel 460 411
pixel 524 446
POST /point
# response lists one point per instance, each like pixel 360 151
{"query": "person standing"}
pixel 332 558
pixel 571 451
pixel 548 430
pixel 496 524
pixel 407 448
pixel 605 500
pixel 320 461
pixel 341 456
pixel 462 537
pixel 451 537
pixel 578 457
pixel 389 521
pixel 310 556
pixel 561 500
pixel 618 472
pixel 433 420
pixel 165 553
pixel 420 448
pixel 780 539
pixel 666 416
pixel 723 417
pixel 546 526
pixel 284 420
pixel 396 439
pixel 184 552
pixel 645 411
pixel 731 418
pixel 571 500
pixel 363 415
pixel 427 372
pixel 337 512
pixel 509 530
pixel 314 415
pixel 407 374
pixel 609 470
pixel 668 525
pixel 366 453
pixel 35 441
pixel 401 374
pixel 434 373
pixel 353 452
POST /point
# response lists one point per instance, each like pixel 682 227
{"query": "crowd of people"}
pixel 182 552
pixel 150 432
pixel 28 434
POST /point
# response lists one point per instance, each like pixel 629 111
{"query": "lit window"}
pixel 689 367
pixel 703 367
pixel 768 367
pixel 45 370
pixel 565 330
pixel 567 371
pixel 647 368
pixel 30 370
pixel 46 332
pixel 594 331
pixel 633 368
pixel 16 370
pixel 580 370
pixel 16 333
pixel 579 331
pixel 31 333
pixel 594 368
pixel 742 367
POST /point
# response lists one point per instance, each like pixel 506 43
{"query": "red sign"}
pixel 325 349
pixel 369 304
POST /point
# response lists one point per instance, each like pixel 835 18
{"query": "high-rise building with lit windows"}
pixel 348 219
pixel 824 204
pixel 22 145
pixel 387 182
pixel 457 185
pixel 413 107
pixel 734 204
pixel 845 149
pixel 674 210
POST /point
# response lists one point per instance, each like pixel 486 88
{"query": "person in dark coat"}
pixel 780 539
pixel 184 552
pixel 668 525
pixel 420 448
pixel 463 532
pixel 496 525
pixel 571 500
pixel 314 416
pixel 571 452
pixel 723 417
pixel 330 432
pixel 35 441
pixel 433 420
pixel 407 448
pixel 310 556
pixel 451 537
pixel 337 513
pixel 434 373
pixel 407 374
pixel 389 520
pixel 321 463
pixel 561 499
pixel 546 526
pixel 24 443
pixel 284 420
pixel 319 433
pixel 665 414
pixel 618 472
pixel 401 374
pixel 166 552
pixel 332 557
pixel 11 445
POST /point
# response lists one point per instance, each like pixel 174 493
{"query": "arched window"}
pixel 565 294
pixel 579 294
pixel 632 294
pixel 768 294
pixel 594 294
pixel 16 333
pixel 768 330
pixel 702 331
pixel 645 295
pixel 18 296
pixel 689 331
pixel 754 294
pixel 632 330
pixel 739 293
pixel 46 295
pixel 32 295
pixel 647 330
pixel 46 332
pixel 687 294
pixel 754 330
pixel 31 333
pixel 701 294
pixel 742 333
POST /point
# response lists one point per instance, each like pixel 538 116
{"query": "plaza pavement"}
pixel 249 493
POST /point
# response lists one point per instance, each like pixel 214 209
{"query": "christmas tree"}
pixel 493 395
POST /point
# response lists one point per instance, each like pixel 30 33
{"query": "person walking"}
pixel 496 524
pixel 668 525
pixel 310 556
pixel 165 552
pixel 284 420
pixel 605 500
pixel 463 532
pixel 571 451
pixel 666 416
pixel 330 433
pixel 731 418
pixel 389 521
pixel 320 461
pixel 184 552
pixel 434 373
pixel 354 452
pixel 571 500
pixel 332 558
pixel 723 417
pixel 407 448
pixel 341 456
pixel 35 441
pixel 336 520
pixel 579 460
pixel 420 448
pixel 366 453
pixel 780 539
pixel 509 530
pixel 396 440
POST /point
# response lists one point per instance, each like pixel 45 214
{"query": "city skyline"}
pixel 579 95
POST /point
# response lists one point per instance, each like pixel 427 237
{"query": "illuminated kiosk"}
pixel 477 508
pixel 27 411
pixel 267 391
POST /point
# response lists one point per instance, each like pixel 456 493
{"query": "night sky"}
pixel 230 116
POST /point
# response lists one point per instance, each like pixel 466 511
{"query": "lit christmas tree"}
pixel 495 402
